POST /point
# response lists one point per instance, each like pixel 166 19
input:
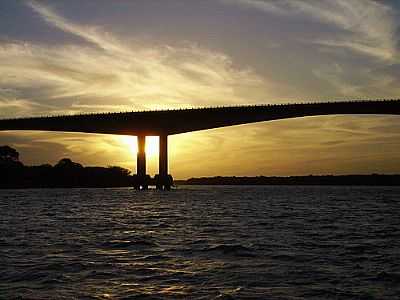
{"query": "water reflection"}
pixel 222 243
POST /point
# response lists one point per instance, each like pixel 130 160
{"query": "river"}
pixel 220 242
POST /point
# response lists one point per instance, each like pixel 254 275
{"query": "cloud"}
pixel 90 34
pixel 335 75
pixel 15 104
pixel 301 146
pixel 363 26
pixel 12 106
pixel 106 74
pixel 100 71
pixel 267 6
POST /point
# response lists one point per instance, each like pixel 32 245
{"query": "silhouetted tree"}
pixel 8 154
pixel 68 163
pixel 10 167
pixel 66 173
pixel 119 171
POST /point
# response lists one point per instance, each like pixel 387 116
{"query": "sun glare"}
pixel 152 143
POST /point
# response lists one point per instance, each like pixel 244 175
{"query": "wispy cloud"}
pixel 94 35
pixel 335 75
pixel 78 77
pixel 364 26
pixel 103 72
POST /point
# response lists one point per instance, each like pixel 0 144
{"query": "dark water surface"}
pixel 201 243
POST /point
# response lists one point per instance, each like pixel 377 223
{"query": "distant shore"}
pixel 68 174
pixel 351 180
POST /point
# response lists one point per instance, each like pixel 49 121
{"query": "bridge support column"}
pixel 164 180
pixel 141 181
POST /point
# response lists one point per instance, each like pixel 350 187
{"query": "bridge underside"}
pixel 169 122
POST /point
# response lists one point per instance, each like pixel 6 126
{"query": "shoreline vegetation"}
pixel 350 180
pixel 69 174
pixel 64 174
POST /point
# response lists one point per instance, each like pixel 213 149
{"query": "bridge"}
pixel 163 123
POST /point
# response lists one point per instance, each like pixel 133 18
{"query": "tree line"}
pixel 64 174
pixel 370 180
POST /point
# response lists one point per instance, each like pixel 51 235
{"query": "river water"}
pixel 271 242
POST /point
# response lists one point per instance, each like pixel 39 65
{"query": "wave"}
pixel 125 244
pixel 234 250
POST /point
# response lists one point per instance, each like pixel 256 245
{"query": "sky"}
pixel 68 57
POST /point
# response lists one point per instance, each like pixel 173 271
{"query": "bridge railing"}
pixel 128 114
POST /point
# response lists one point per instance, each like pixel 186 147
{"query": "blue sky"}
pixel 85 56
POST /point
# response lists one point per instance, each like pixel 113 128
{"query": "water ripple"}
pixel 201 243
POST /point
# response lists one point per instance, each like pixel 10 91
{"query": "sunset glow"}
pixel 152 143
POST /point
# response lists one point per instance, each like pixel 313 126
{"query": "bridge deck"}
pixel 167 122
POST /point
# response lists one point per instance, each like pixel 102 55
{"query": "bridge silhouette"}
pixel 163 123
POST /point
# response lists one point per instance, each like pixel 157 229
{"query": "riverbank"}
pixel 368 180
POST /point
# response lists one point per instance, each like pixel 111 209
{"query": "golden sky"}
pixel 66 57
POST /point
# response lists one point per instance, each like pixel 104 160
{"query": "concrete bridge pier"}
pixel 141 182
pixel 163 179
